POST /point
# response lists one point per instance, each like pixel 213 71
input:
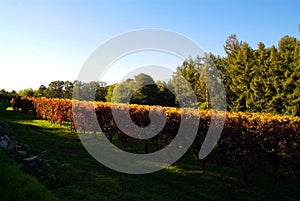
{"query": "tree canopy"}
pixel 265 79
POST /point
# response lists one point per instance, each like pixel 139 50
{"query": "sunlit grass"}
pixel 9 109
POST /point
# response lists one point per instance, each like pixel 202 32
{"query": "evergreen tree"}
pixel 289 53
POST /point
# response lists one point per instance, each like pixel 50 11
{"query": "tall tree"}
pixel 55 89
pixel 68 89
pixel 165 96
pixel 110 89
pixel 41 91
pixel 26 92
pixel 239 72
pixel 184 81
pixel 261 81
pixel 145 90
pixel 289 52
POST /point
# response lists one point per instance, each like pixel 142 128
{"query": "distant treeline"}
pixel 64 89
pixel 5 96
pixel 266 79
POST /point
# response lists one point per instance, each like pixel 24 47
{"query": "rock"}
pixel 35 165
pixel 39 170
pixel 30 159
pixel 18 146
pixel 21 165
pixel 22 153
pixel 66 165
pixel 31 164
pixel 26 147
pixel 45 162
pixel 11 137
pixel 44 153
pixel 13 147
pixel 6 138
pixel 3 144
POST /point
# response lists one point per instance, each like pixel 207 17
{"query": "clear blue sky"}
pixel 42 41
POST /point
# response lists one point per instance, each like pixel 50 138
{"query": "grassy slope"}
pixel 16 185
pixel 89 180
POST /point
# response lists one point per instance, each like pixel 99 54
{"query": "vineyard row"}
pixel 260 142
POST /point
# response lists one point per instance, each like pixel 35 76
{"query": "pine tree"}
pixel 289 51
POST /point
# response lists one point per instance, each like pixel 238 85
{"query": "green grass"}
pixel 16 185
pixel 87 179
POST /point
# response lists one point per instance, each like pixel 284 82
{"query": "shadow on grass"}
pixel 15 185
pixel 86 179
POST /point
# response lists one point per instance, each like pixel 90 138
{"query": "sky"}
pixel 43 41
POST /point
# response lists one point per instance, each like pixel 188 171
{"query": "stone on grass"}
pixel 3 144
pixel 6 138
pixel 21 165
pixel 22 153
pixel 30 159
pixel 66 165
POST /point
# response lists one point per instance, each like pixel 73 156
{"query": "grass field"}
pixel 86 179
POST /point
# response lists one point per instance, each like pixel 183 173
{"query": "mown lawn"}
pixel 86 179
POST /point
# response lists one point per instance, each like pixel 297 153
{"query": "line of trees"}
pixel 266 79
pixel 64 89
pixel 5 96
pixel 262 79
